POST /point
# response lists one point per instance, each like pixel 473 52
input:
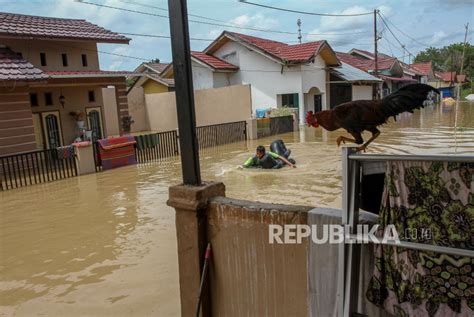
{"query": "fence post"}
pixel 349 254
pixel 85 158
pixel 251 129
pixel 190 203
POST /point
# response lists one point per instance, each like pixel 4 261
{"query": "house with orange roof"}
pixel 307 76
pixel 49 67
pixel 394 73
pixel 280 74
pixel 425 70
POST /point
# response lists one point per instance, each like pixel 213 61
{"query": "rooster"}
pixel 366 115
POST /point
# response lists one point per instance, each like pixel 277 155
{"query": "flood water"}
pixel 104 244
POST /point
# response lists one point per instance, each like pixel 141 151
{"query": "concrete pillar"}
pixel 251 129
pixel 302 113
pixel 190 203
pixel 85 158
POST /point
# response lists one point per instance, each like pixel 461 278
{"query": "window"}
pixel 84 60
pixel 290 100
pixel 43 59
pixel 48 98
pixel 34 99
pixel 91 96
pixel 64 57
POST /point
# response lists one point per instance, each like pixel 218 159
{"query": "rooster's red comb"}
pixel 311 119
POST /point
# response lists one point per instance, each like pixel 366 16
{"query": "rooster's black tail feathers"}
pixel 407 98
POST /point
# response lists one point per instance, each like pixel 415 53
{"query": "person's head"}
pixel 260 151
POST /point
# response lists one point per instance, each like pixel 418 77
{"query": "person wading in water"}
pixel 270 160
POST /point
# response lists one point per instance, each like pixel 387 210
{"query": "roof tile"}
pixel 19 25
pixel 366 64
pixel 422 68
pixel 213 61
pixel 291 53
pixel 14 67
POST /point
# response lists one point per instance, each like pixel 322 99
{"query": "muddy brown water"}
pixel 104 244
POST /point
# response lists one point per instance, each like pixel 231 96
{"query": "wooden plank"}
pixel 13 149
pixel 4 133
pixel 16 123
pixel 15 114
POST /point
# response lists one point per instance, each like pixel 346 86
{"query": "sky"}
pixel 416 24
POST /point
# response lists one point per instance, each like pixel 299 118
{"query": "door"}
pixel 94 122
pixel 318 103
pixel 39 137
pixel 52 129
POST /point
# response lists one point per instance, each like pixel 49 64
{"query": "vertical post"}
pixel 178 15
pixel 376 68
pixel 302 114
pixel 349 254
pixel 462 63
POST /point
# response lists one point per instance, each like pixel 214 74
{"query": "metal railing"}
pixel 156 146
pixel 24 169
pixel 349 254
pixel 220 134
pixel 280 125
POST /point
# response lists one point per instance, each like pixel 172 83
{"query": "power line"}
pixel 212 40
pixel 408 36
pixel 305 12
pixel 394 36
pixel 227 25
pixel 163 36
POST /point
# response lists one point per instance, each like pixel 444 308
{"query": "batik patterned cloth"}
pixel 432 203
pixel 65 152
pixel 116 152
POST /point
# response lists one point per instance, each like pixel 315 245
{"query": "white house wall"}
pixel 202 77
pixel 221 80
pixel 361 92
pixel 314 75
pixel 263 74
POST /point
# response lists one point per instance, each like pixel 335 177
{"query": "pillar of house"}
pixel 252 129
pixel 85 158
pixel 190 203
pixel 302 107
pixel 122 104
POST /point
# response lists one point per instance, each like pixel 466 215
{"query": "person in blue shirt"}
pixel 267 160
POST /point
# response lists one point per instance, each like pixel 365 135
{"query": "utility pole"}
pixel 462 60
pixel 376 68
pixel 298 22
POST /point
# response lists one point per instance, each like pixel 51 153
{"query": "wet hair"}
pixel 261 149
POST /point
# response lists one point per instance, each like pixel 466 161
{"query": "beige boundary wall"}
pixel 213 106
pixel 248 276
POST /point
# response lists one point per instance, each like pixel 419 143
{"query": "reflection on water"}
pixel 104 244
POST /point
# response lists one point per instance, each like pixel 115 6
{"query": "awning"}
pixel 91 74
pixel 397 78
pixel 353 74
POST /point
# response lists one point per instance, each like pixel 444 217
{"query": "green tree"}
pixel 448 58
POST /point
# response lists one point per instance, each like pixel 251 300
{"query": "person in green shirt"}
pixel 267 160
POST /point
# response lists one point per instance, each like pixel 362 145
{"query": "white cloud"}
pixel 257 20
pixel 438 37
pixel 356 31
pixel 118 62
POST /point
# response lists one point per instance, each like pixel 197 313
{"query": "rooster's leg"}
pixel 375 134
pixel 343 139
